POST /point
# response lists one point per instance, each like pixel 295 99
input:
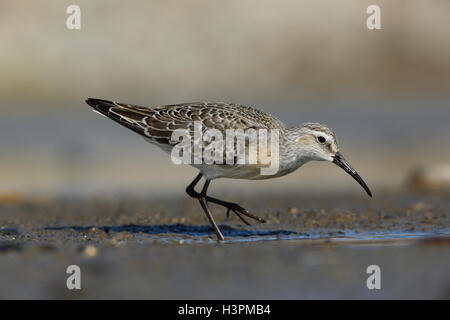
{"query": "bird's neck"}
pixel 290 159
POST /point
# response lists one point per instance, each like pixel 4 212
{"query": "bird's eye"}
pixel 321 139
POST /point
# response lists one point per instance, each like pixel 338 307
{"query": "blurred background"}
pixel 385 92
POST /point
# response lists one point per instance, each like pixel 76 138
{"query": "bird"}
pixel 298 145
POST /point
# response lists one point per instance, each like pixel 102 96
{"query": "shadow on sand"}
pixel 187 229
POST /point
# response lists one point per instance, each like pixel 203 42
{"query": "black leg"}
pixel 204 204
pixel 239 216
pixel 190 189
pixel 237 209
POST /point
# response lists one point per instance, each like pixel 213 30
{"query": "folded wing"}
pixel 159 123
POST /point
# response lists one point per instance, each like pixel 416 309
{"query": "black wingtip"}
pixel 100 105
pixel 91 102
pixel 94 102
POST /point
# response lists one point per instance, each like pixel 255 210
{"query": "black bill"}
pixel 341 162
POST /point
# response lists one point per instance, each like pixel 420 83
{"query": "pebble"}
pixel 90 251
pixel 433 178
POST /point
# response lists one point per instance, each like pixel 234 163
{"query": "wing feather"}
pixel 159 122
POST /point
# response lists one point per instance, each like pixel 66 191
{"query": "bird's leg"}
pixel 237 209
pixel 190 189
pixel 203 202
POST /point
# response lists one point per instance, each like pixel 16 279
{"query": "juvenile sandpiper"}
pixel 297 145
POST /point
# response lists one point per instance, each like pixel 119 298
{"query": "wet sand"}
pixel 311 247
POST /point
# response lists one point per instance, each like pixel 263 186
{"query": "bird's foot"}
pixel 240 211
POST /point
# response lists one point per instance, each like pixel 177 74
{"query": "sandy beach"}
pixel 161 249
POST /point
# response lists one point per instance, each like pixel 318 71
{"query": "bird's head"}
pixel 318 142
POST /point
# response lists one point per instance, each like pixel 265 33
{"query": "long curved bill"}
pixel 341 162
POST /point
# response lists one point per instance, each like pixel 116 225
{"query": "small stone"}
pixel 90 251
pixel 419 206
pixel 11 198
pixel 433 178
